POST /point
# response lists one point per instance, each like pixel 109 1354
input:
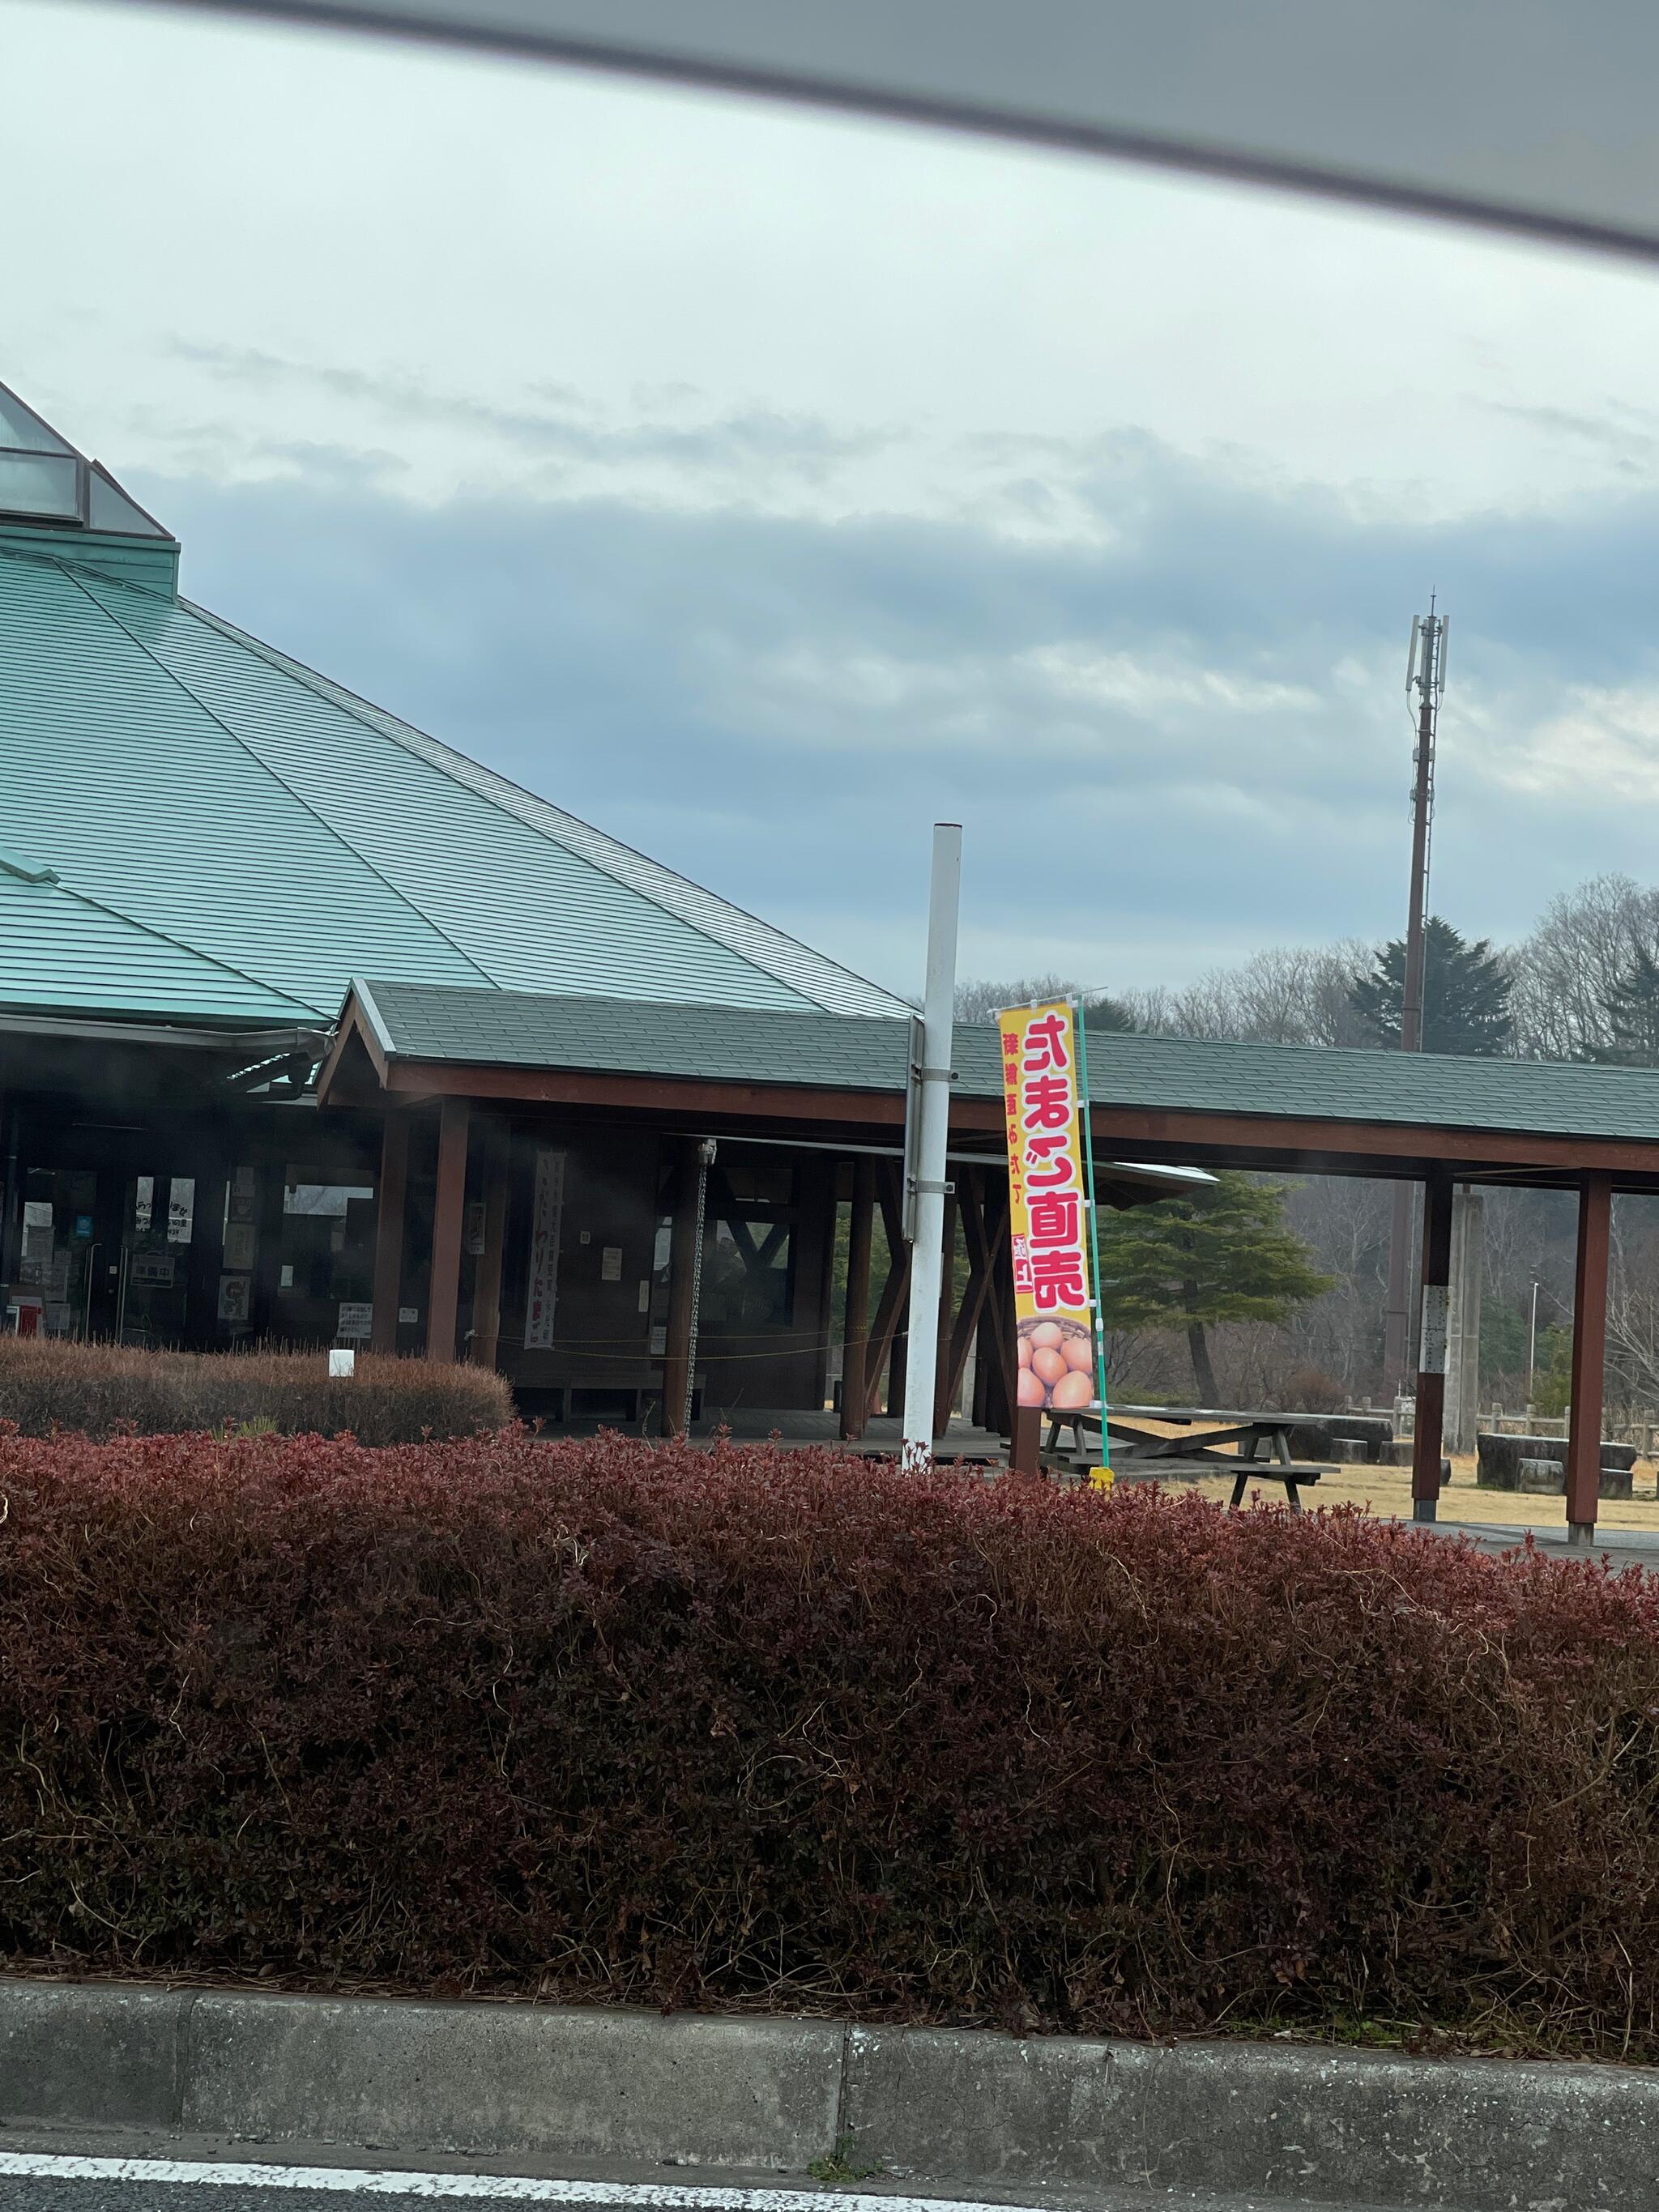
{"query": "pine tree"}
pixel 1466 993
pixel 1104 1013
pixel 1631 1007
pixel 1223 1253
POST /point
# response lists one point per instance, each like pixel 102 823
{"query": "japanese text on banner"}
pixel 1048 1202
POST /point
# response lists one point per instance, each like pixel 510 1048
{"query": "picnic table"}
pixel 1260 1441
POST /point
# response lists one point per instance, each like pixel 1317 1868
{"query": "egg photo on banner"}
pixel 1048 1202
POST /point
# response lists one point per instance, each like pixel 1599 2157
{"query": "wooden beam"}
pixel 999 1304
pixel 1589 1345
pixel 389 1202
pixel 487 1284
pixel 696 1097
pixel 684 1261
pixel 1183 1135
pixel 1430 1423
pixel 449 1222
pixel 1202 1138
pixel 885 1342
pixel 861 1236
pixel 352 1026
pixel 947 1270
pixel 821 1202
pixel 982 1241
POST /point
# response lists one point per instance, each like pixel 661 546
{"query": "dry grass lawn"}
pixel 1387 1493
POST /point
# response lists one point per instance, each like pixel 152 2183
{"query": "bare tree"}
pixel 1568 968
pixel 1632 1353
pixel 1284 994
pixel 979 999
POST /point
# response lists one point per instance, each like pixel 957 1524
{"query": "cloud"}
pixel 671 441
pixel 1627 437
pixel 1171 742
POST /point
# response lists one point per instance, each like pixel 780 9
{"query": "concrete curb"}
pixel 1292 2120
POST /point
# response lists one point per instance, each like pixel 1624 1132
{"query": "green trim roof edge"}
pixel 782 1048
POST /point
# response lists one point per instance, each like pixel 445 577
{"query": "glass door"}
pixel 158 1221
pixel 58 1271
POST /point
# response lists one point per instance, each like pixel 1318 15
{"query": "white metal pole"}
pixel 930 1097
pixel 1531 1343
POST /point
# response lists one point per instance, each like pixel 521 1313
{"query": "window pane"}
pixel 768 1182
pixel 41 484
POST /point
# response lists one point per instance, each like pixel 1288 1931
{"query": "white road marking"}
pixel 523 2189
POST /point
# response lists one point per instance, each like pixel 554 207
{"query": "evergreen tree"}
pixel 1466 993
pixel 1223 1253
pixel 1104 1013
pixel 1632 1006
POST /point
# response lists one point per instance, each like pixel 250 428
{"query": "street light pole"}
pixel 930 1113
pixel 1531 1343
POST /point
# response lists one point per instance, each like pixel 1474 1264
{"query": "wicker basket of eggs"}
pixel 1056 1364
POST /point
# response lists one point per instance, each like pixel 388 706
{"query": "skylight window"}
pixel 45 487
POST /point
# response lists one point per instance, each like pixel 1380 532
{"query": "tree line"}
pixel 1584 985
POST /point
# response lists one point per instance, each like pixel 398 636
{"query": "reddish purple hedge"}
pixel 49 1383
pixel 765 1727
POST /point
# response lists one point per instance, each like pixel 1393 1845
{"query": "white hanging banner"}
pixel 546 1215
pixel 1432 1359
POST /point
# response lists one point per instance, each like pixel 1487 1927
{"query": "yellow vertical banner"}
pixel 1048 1202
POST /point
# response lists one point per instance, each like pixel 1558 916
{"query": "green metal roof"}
pixel 60 950
pixel 637 1037
pixel 251 835
pixel 832 1052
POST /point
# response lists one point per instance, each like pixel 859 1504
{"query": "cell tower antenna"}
pixel 1425 674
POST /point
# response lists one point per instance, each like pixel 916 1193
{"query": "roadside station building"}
pixel 311 1029
pixel 204 844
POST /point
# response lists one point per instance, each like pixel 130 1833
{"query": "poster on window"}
pixel 546 1214
pixel 1048 1201
pixel 37 1236
pixel 181 1209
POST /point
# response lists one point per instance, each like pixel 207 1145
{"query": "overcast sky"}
pixel 761 486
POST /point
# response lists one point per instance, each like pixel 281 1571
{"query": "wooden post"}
pixel 487 1289
pixel 1000 1302
pixel 448 1223
pixel 389 1230
pixel 886 1345
pixel 1431 1349
pixel 684 1260
pixel 1025 1443
pixel 854 1372
pixel 825 1187
pixel 899 1360
pixel 944 1382
pixel 984 1230
pixel 1590 1344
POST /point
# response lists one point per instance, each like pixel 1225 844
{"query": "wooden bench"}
pixel 1296 1477
pixel 1213 1443
pixel 561 1375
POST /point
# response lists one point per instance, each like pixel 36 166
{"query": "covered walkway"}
pixel 489 1068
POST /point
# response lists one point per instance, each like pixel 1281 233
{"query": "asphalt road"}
pixel 92 2176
